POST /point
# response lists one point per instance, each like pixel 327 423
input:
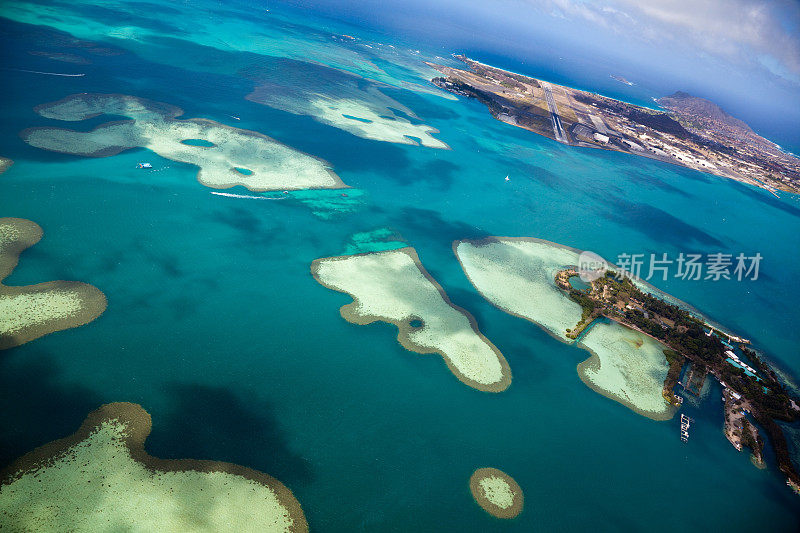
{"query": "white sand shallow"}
pixel 627 366
pixel 28 312
pixel 272 165
pixel 4 164
pixel 20 311
pixel 393 287
pixel 9 234
pixel 518 276
pixel 342 101
pixel 496 492
pixel 97 485
pixel 384 126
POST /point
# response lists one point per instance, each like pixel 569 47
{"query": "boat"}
pixel 507 178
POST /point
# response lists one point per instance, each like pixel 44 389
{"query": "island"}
pixel 226 156
pixel 694 133
pixel 621 80
pixel 749 385
pixel 644 343
pixel 393 286
pixel 5 163
pixel 517 275
pixel 102 479
pixel 31 311
pixel 496 492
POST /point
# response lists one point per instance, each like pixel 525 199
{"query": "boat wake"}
pixel 47 73
pixel 246 196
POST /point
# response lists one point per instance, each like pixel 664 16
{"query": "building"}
pixel 599 137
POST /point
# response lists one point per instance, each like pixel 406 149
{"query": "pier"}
pixel 685 423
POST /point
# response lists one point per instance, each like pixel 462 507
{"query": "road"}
pixel 558 130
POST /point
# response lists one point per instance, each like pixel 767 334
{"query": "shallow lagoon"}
pixel 224 343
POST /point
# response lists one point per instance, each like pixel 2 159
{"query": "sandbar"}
pixel 496 492
pixel 628 367
pixel 31 311
pixel 393 286
pixel 517 276
pixel 102 479
pixel 235 156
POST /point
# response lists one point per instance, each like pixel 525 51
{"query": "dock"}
pixel 685 423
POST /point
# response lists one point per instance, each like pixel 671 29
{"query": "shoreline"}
pixel 138 425
pixel 404 327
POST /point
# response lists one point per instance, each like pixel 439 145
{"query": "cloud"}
pixel 759 33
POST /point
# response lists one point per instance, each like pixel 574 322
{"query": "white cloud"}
pixel 760 33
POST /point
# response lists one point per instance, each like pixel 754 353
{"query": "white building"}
pixel 599 137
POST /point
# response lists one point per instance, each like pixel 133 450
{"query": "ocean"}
pixel 217 328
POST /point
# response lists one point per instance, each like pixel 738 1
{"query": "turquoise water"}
pixel 198 142
pixel 577 283
pixel 216 326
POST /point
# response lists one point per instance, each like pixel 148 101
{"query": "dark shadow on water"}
pixel 426 223
pixel 168 264
pixel 205 422
pixel 767 198
pixel 543 176
pixel 35 408
pixel 255 232
pixel 438 173
pixel 643 177
pixel 656 223
pixel 361 155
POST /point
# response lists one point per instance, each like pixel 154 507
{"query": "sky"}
pixel 743 54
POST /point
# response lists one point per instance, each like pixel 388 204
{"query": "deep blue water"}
pixel 217 328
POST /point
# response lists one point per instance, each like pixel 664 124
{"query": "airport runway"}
pixel 551 103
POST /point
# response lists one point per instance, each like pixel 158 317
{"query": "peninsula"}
pixel 749 384
pixel 693 132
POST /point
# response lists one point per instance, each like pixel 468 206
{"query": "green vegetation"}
pixel 676 362
pixel 587 315
pixel 618 298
